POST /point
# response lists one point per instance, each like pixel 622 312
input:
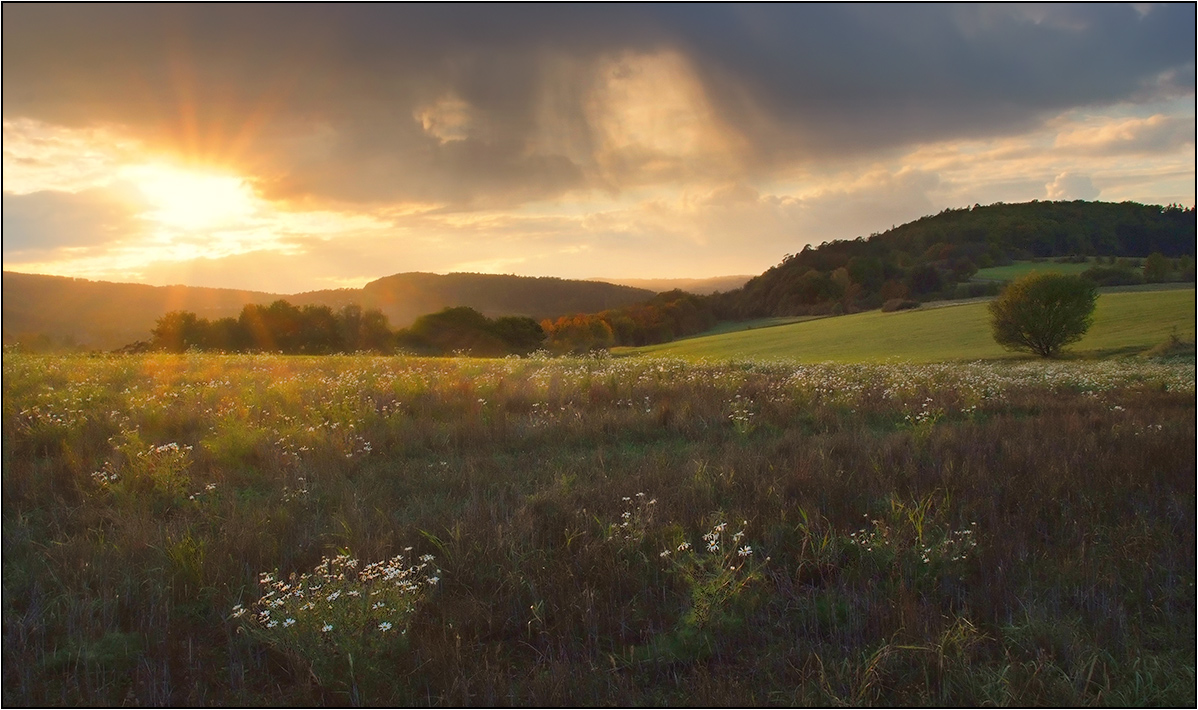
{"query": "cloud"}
pixel 1154 134
pixel 40 223
pixel 39 156
pixel 1068 186
pixel 628 140
pixel 827 80
pixel 446 119
pixel 484 106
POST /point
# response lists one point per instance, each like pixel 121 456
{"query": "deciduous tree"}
pixel 1043 312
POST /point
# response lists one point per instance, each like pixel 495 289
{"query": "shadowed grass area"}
pixel 260 530
pixel 1124 323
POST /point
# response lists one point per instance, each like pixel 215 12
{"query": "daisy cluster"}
pixel 339 598
pixel 950 547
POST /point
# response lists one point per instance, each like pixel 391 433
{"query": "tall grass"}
pixel 603 532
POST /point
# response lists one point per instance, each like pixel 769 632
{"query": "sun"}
pixel 192 200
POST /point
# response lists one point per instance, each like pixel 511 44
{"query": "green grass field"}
pixel 756 323
pixel 1124 323
pixel 1010 272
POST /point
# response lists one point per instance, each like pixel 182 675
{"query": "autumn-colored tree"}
pixel 579 334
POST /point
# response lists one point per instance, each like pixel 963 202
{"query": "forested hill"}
pixel 929 257
pixel 1044 229
pixel 46 311
pixel 405 297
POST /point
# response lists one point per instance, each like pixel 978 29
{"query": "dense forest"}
pixel 929 259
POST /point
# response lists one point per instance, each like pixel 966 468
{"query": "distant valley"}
pixel 701 287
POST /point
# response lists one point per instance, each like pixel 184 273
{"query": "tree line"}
pixel 279 327
pixel 319 330
pixel 666 316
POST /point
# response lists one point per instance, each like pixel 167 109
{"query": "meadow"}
pixel 1124 323
pixel 268 530
pixel 1018 269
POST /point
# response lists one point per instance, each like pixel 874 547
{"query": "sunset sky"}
pixel 288 148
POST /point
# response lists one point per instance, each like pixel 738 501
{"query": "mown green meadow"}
pixel 1019 269
pixel 268 530
pixel 1124 323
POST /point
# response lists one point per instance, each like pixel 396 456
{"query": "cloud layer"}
pixel 504 104
pixel 619 129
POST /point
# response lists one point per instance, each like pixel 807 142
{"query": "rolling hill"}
pixel 55 310
pixel 934 257
pixel 1124 323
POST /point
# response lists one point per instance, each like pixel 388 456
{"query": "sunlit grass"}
pixel 1124 323
pixel 1019 269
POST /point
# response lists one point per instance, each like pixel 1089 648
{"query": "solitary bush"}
pixel 1156 268
pixel 1043 312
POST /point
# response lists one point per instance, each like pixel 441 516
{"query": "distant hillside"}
pixel 701 287
pixel 931 259
pixel 55 310
pixel 63 311
pixel 1124 324
pixel 405 297
pixel 934 257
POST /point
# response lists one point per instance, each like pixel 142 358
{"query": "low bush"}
pixel 1112 276
pixel 899 304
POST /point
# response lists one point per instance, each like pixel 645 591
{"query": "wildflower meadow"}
pixel 203 529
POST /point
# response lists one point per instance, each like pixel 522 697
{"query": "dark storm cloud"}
pixel 835 78
pixel 322 100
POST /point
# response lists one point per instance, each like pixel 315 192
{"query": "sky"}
pixel 290 148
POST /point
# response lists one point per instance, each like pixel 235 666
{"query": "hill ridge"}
pixel 68 311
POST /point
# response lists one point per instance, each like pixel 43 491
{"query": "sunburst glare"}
pixel 192 200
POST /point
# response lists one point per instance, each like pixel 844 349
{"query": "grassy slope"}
pixel 1123 323
pixel 1022 268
